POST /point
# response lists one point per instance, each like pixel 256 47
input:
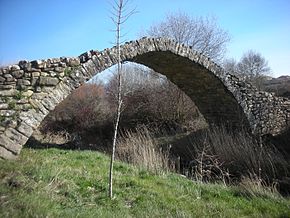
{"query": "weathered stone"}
pixel 10 144
pixel 27 93
pixel 34 81
pixel 52 73
pixel 48 81
pixel 10 92
pixel 7 113
pixel 18 74
pixel 44 74
pixel 31 118
pixel 72 62
pixel 2 129
pixel 35 74
pixel 14 67
pixel 38 64
pixel 22 101
pixel 37 105
pixel 2 79
pixel 39 96
pixel 3 106
pixel 59 69
pixel 47 89
pixel 23 82
pixel 27 75
pixel 37 89
pixel 5 87
pixel 25 129
pixel 11 124
pixel 5 154
pixel 32 69
pixel 8 76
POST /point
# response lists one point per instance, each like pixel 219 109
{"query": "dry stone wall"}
pixel 30 90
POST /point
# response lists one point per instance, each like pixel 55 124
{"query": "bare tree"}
pixel 253 67
pixel 202 33
pixel 230 66
pixel 253 64
pixel 119 17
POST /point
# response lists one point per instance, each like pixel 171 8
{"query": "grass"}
pixel 64 183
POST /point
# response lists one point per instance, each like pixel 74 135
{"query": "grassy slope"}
pixel 58 183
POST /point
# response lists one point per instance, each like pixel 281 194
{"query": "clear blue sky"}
pixel 39 29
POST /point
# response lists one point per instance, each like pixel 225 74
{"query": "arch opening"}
pixel 214 100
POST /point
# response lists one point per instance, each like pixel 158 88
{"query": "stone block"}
pixel 23 82
pixel 4 106
pixel 2 79
pixel 18 74
pixel 25 129
pixel 27 93
pixel 38 64
pixel 5 154
pixel 35 74
pixel 48 81
pixel 7 93
pixel 10 144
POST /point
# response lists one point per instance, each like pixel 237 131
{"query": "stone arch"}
pixel 30 90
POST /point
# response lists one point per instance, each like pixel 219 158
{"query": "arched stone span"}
pixel 30 90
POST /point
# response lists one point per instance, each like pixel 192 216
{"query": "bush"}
pixel 151 99
pixel 218 152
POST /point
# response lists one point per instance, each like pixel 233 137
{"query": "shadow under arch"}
pixel 216 103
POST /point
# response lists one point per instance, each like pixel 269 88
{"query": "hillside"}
pixel 64 183
pixel 280 86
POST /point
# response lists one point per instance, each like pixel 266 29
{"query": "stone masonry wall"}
pixel 30 90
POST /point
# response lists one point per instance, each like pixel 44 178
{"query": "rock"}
pixel 8 76
pixel 38 64
pixel 18 74
pixel 27 93
pixel 59 69
pixel 14 67
pixel 4 87
pixel 4 153
pixel 72 62
pixel 10 92
pixel 25 65
pixel 2 79
pixel 35 74
pixel 3 106
pixel 25 129
pixel 23 82
pixel 48 81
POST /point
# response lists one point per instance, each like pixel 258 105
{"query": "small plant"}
pixel 18 95
pixel 12 105
pixel 68 71
pixel 5 98
pixel 2 118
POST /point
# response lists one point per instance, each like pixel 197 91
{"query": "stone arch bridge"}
pixel 30 90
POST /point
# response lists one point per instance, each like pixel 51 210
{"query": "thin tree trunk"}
pixel 119 71
pixel 118 18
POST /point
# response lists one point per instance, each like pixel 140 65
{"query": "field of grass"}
pixel 63 183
